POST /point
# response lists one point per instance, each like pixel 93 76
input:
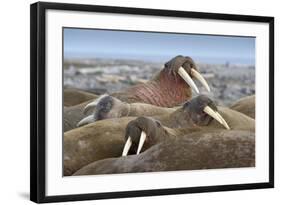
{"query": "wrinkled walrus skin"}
pixel 246 106
pixel 166 89
pixel 200 150
pixel 105 138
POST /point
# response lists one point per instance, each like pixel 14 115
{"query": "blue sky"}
pixel 90 43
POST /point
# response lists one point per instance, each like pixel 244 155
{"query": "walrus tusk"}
pixel 89 106
pixel 200 78
pixel 93 104
pixel 223 121
pixel 127 146
pixel 216 116
pixel 86 120
pixel 187 79
pixel 141 142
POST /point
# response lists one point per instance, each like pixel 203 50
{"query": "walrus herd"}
pixel 156 126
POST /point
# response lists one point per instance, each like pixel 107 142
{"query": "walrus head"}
pixel 184 68
pixel 105 107
pixel 171 86
pixel 199 111
pixel 145 131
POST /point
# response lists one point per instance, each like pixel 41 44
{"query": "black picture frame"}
pixel 38 100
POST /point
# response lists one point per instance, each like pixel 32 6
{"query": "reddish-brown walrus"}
pixel 105 138
pixel 170 87
pixel 198 150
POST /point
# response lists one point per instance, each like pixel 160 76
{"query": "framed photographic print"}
pixel 129 102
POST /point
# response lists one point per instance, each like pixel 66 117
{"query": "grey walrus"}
pixel 199 150
pixel 105 138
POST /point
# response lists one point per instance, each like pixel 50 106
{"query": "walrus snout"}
pixel 202 110
pixel 105 107
pixel 102 107
pixel 142 133
pixel 175 63
pixel 186 68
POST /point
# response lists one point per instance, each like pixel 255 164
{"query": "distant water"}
pixel 162 59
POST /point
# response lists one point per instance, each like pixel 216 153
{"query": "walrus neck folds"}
pixel 164 90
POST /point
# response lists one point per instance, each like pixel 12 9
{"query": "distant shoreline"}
pixel 157 59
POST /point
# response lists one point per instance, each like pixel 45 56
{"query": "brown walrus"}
pixel 105 138
pixel 199 150
pixel 144 132
pixel 72 115
pixel 72 96
pixel 111 107
pixel 246 105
